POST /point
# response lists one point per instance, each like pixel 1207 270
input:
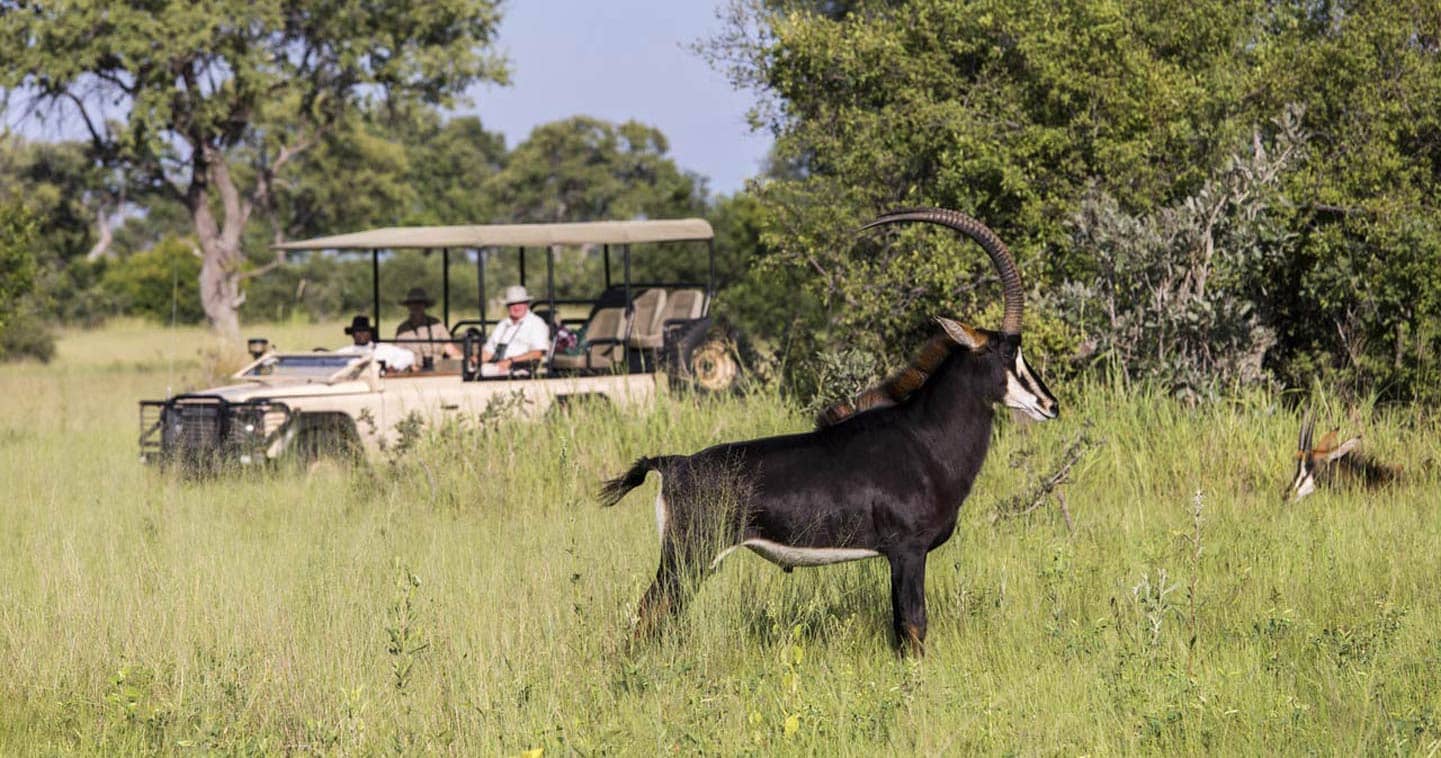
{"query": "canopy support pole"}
pixel 445 286
pixel 550 281
pixel 480 285
pixel 375 287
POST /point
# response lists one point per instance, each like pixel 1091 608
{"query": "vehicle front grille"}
pixel 200 431
pixel 194 427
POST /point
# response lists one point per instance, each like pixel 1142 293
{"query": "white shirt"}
pixel 520 337
pixel 394 357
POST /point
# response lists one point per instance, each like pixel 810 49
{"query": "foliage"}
pixel 22 333
pixel 765 301
pixel 586 169
pixel 211 112
pixel 154 283
pixel 1182 296
pixel 317 287
pixel 1031 116
pixel 450 163
pixel 27 335
pixel 60 187
pixel 17 261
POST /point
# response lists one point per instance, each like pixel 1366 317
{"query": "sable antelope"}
pixel 888 481
pixel 1331 465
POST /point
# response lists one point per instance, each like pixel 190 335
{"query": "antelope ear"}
pixel 972 339
pixel 1343 449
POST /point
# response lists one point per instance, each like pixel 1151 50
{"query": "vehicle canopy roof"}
pixel 512 235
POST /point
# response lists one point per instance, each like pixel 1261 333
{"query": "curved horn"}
pixel 994 247
pixel 1307 424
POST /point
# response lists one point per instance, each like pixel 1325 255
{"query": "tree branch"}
pixel 265 178
pixel 236 208
pixel 267 268
pixel 95 136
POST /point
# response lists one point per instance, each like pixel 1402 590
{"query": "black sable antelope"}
pixel 883 476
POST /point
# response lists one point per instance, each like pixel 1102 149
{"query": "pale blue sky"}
pixel 623 59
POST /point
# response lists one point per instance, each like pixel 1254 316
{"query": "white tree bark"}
pixel 104 235
pixel 220 267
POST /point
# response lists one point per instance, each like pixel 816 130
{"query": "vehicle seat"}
pixel 603 345
pixel 646 318
pixel 683 304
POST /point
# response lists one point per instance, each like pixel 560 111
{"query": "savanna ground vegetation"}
pixel 466 595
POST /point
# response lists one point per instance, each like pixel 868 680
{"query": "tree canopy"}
pixel 1020 112
pixel 208 101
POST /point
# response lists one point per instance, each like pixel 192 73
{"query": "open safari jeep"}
pixel 617 346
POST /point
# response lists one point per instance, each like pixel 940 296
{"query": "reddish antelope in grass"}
pixel 887 481
pixel 1334 465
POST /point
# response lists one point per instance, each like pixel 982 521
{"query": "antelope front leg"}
pixel 908 600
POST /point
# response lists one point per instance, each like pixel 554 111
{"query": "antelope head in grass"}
pixel 1334 465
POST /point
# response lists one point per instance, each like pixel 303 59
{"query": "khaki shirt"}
pixel 434 330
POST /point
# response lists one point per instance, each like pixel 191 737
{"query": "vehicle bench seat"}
pixel 607 327
pixel 645 325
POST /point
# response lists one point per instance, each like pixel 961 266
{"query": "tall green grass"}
pixel 470 597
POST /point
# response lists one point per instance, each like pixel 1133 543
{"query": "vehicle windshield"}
pixel 317 365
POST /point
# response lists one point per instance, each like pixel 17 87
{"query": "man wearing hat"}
pixel 520 337
pixel 431 338
pixel 394 358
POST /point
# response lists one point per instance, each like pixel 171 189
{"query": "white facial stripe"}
pixel 1024 392
pixel 1017 396
pixel 1304 482
pixel 1304 485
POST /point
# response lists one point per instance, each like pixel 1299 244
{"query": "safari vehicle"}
pixel 633 337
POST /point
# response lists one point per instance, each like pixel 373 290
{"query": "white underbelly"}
pixel 787 555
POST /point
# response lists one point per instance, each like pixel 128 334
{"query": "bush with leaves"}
pixel 22 332
pixel 17 261
pixel 157 283
pixel 1115 123
pixel 1181 295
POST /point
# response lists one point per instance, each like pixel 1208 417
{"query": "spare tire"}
pixel 705 357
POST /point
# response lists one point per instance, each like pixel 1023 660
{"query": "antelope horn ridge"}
pixel 987 239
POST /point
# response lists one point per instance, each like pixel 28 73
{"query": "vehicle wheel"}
pixel 324 442
pixel 705 356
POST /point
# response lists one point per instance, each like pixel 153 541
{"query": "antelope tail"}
pixel 612 490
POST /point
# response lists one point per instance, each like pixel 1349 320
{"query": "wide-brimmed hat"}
pixel 516 293
pixel 360 324
pixel 417 295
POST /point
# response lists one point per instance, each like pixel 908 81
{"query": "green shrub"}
pixel 158 283
pixel 26 335
pixel 17 260
pixel 22 331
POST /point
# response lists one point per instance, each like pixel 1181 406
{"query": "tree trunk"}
pixel 221 256
pixel 219 290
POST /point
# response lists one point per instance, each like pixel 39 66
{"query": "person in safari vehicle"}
pixel 520 338
pixel 422 333
pixel 362 334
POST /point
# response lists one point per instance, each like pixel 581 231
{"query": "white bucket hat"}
pixel 516 293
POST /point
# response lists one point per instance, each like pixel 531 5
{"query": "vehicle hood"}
pixel 280 390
